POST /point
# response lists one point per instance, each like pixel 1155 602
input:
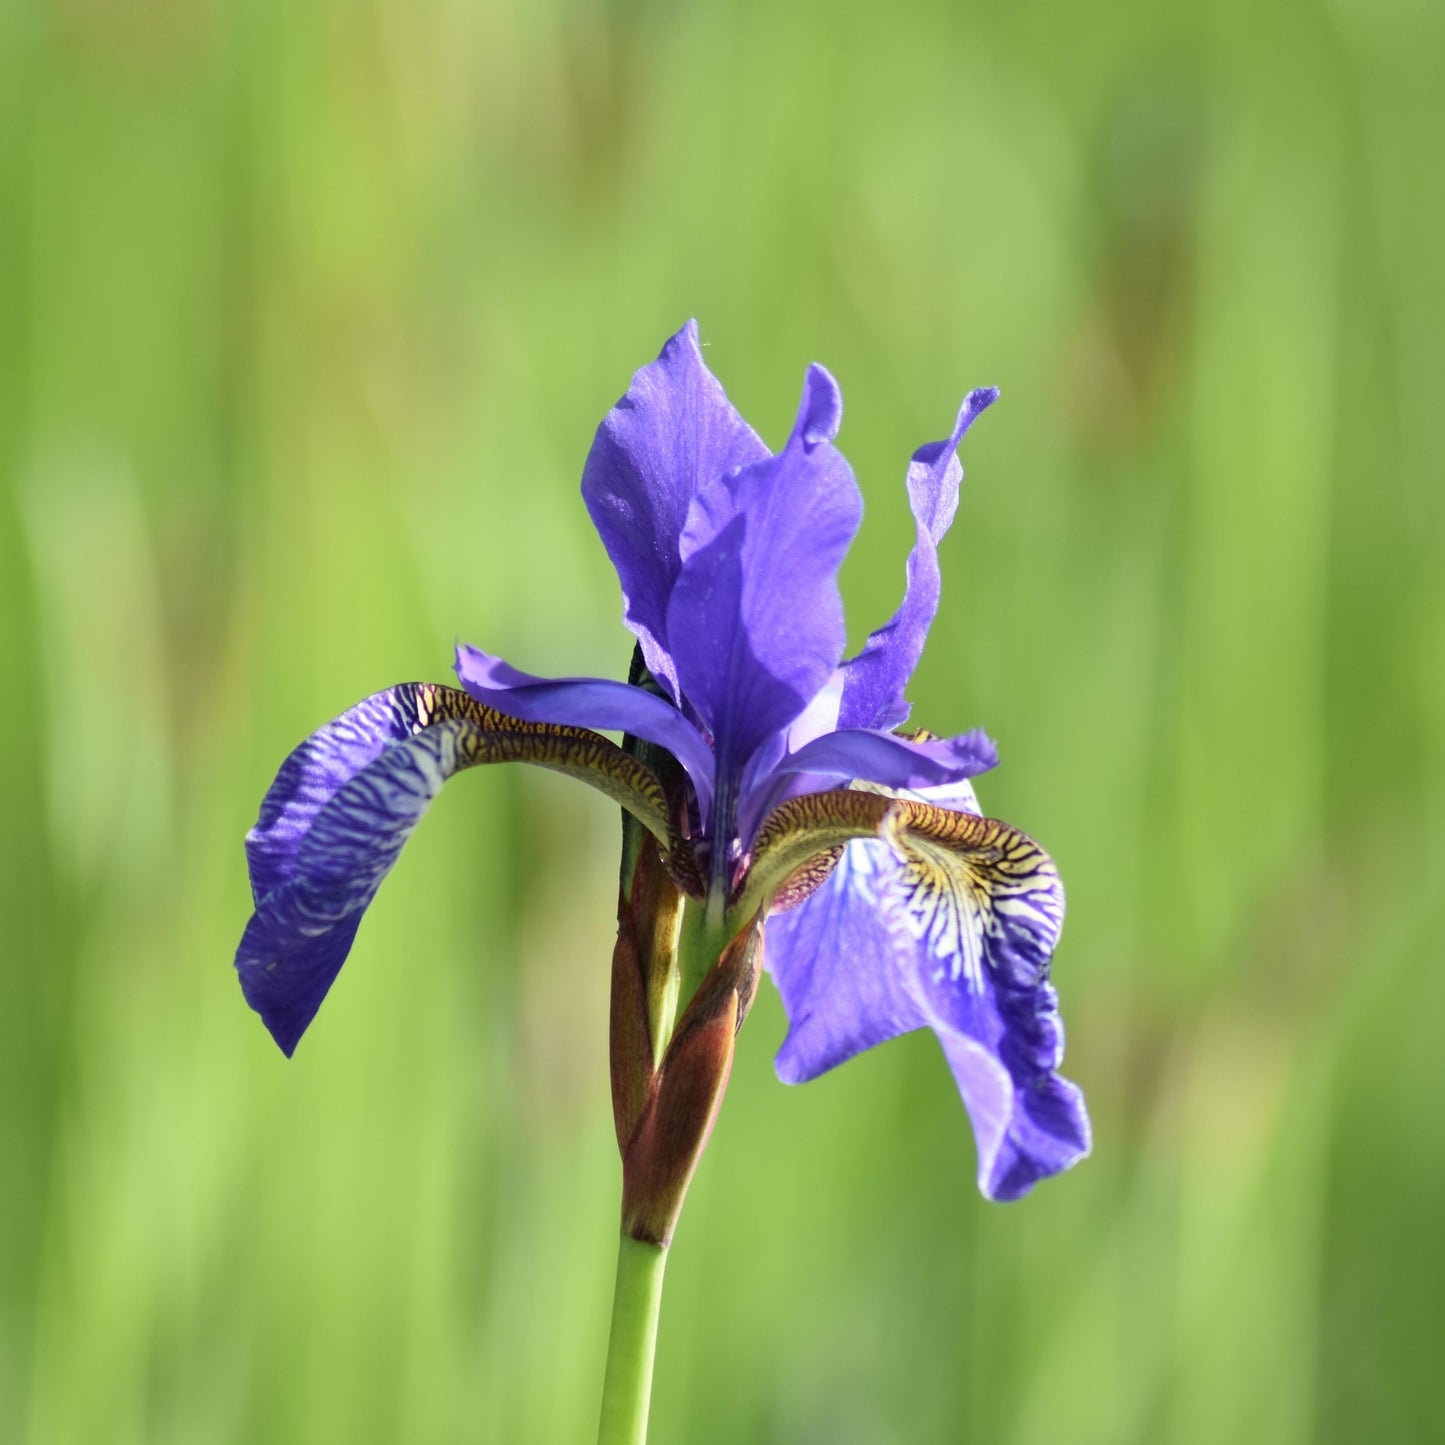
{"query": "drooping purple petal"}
pixel 591 703
pixel 985 934
pixel 875 680
pixel 287 963
pixel 303 927
pixel 348 798
pixel 317 770
pixel 755 624
pixel 858 754
pixel 672 434
pixel 1029 1121
pixel 841 971
pixel 891 942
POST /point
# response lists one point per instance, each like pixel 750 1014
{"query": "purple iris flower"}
pixel 790 802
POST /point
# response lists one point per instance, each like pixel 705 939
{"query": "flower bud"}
pixel 683 1094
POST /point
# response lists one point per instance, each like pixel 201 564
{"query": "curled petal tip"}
pixel 820 413
pixel 974 405
pixel 978 750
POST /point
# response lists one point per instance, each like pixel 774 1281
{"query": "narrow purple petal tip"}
pixel 977 401
pixel 820 412
pixel 875 680
pixel 930 454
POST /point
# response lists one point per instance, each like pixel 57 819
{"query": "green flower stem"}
pixel 700 943
pixel 636 1298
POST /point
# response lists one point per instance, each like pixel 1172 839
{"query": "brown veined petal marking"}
pixel 972 888
pixel 494 737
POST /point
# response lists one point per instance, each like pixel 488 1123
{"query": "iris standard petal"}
pixel 346 800
pixel 818 718
pixel 589 702
pixel 839 968
pixel 875 680
pixel 672 434
pixel 755 624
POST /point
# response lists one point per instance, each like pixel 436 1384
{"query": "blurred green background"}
pixel 307 314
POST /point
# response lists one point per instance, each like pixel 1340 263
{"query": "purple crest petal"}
pixel 864 755
pixel 331 826
pixel 672 434
pixel 755 623
pixel 875 680
pixel 589 702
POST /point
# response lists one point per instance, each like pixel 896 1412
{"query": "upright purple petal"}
pixel 815 721
pixel 589 702
pixel 875 680
pixel 673 433
pixel 755 624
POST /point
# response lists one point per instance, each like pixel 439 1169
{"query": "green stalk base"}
pixel 636 1299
